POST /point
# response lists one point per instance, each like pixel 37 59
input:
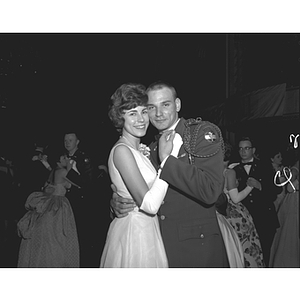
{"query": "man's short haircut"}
pixel 158 85
pixel 72 131
pixel 247 138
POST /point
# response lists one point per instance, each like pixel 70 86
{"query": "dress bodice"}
pixel 145 166
pixel 58 189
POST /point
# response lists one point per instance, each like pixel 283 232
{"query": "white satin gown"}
pixel 133 241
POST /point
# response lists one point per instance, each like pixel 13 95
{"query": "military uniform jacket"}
pixel 189 226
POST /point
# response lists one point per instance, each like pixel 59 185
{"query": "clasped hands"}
pixel 254 183
pixel 166 144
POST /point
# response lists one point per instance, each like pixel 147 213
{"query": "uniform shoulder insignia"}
pixel 209 133
pixel 210 136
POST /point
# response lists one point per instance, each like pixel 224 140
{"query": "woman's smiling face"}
pixel 136 121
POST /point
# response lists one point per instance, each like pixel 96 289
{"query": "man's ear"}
pixel 178 104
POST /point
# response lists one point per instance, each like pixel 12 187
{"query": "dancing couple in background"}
pixel 48 229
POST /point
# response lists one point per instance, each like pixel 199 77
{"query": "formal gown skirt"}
pixel 285 251
pixel 134 242
pixel 48 231
pixel 232 243
pixel 242 222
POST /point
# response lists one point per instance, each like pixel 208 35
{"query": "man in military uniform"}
pixel 79 194
pixel 188 221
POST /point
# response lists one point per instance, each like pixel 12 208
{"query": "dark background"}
pixel 50 82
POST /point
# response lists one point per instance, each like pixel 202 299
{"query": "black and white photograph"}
pixel 142 150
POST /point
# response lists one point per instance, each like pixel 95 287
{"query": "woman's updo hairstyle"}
pixel 126 97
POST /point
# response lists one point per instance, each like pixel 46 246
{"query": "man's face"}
pixel 71 142
pixel 163 108
pixel 246 150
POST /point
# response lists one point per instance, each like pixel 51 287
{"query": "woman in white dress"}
pixel 135 241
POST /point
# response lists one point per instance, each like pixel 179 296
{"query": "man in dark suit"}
pixel 188 221
pixel 260 201
pixel 80 196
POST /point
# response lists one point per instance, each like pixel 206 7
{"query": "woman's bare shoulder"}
pixel 230 172
pixel 122 150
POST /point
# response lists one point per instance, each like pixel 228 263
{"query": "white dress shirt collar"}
pixel 174 125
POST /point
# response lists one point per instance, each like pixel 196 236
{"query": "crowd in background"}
pixel 267 191
pixel 19 178
pixel 276 229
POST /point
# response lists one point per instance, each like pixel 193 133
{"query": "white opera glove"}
pixel 46 164
pixel 236 196
pixel 155 196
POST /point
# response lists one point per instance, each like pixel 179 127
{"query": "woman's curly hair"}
pixel 126 97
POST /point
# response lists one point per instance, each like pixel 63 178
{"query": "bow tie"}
pixel 247 163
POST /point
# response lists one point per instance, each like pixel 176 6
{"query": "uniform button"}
pixel 162 217
pixel 251 201
pixel 202 236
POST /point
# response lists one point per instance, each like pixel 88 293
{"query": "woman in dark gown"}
pixel 48 229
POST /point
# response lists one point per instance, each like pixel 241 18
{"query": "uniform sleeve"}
pixel 202 180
